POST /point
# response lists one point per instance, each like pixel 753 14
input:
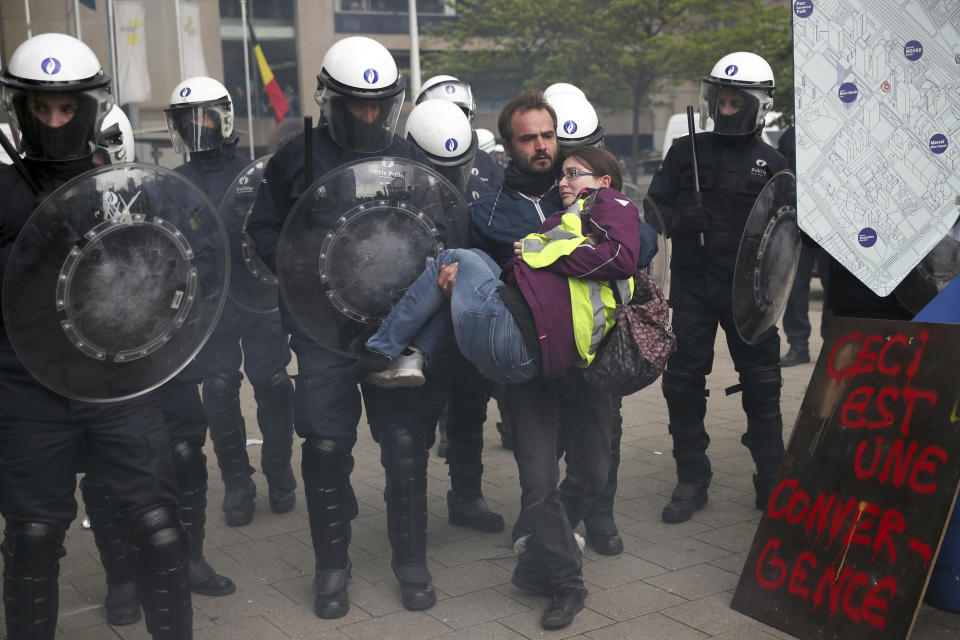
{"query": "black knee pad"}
pixel 159 535
pixel 33 548
pixel 325 459
pixel 278 383
pixel 686 396
pixel 190 464
pixel 760 387
pixel 403 450
pixel 221 391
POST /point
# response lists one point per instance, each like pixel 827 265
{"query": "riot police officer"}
pixel 360 92
pixel 443 133
pixel 734 165
pixel 458 92
pixel 200 120
pixel 55 96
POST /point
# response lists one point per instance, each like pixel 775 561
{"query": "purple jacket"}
pixel 614 225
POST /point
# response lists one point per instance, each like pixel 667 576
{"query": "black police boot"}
pixel 465 504
pixel 160 555
pixel 331 504
pixel 764 436
pixel 566 602
pixel 686 398
pixel 191 468
pixel 122 604
pixel 404 457
pixel 31 568
pixel 601 528
pixel 690 494
pixel 221 401
pixel 794 357
pixel 275 416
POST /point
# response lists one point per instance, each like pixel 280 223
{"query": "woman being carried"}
pixel 547 311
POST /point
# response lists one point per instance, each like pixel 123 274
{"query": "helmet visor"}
pixel 361 124
pixel 733 111
pixel 56 125
pixel 455 91
pixel 194 127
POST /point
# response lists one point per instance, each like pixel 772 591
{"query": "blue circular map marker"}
pixel 803 8
pixel 848 92
pixel 867 237
pixel 913 50
pixel 938 143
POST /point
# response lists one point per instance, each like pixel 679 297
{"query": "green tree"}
pixel 619 52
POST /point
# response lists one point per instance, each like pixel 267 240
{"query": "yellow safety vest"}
pixel 592 302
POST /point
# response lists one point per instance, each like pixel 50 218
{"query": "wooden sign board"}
pixel 849 537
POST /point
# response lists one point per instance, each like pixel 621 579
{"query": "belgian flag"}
pixel 270 84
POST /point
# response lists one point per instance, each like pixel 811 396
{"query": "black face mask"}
pixel 71 140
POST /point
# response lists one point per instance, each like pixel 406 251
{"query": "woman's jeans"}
pixel 485 330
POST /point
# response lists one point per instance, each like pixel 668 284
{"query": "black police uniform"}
pixel 732 170
pixel 327 410
pixel 265 355
pixel 486 169
pixel 42 438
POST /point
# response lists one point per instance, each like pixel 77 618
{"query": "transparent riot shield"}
pixel 253 286
pixel 767 258
pixel 929 278
pixel 356 240
pixel 650 213
pixel 115 282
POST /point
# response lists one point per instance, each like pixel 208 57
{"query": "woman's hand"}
pixel 448 278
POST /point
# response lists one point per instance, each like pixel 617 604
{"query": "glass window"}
pixel 424 7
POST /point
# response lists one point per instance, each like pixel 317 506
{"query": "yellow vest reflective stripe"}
pixel 592 302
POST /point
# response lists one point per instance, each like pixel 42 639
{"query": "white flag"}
pixel 194 63
pixel 132 73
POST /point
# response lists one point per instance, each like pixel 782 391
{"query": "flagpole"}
pixel 183 71
pixel 76 18
pixel 246 73
pixel 414 51
pixel 112 52
pixel 26 7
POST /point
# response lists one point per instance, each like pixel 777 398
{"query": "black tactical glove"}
pixel 692 219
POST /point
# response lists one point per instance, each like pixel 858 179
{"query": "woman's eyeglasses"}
pixel 572 173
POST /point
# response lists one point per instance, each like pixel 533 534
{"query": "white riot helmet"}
pixel 577 121
pixel 55 95
pixel 360 92
pixel 486 140
pixel 441 130
pixel 741 84
pixel 200 115
pixel 115 141
pixel 452 90
pixel 562 87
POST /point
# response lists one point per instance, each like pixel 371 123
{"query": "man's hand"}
pixel 518 248
pixel 448 278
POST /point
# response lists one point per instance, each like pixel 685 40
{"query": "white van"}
pixel 677 127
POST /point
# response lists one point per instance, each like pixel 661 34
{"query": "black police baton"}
pixel 697 195
pixel 308 151
pixel 18 163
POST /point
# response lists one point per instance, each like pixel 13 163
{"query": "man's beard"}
pixel 526 166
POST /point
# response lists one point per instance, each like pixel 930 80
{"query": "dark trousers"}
pixel 255 339
pixel 43 437
pixel 796 319
pixel 535 409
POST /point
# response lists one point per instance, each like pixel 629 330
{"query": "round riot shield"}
pixel 930 276
pixel 659 268
pixel 356 240
pixel 767 258
pixel 252 284
pixel 115 282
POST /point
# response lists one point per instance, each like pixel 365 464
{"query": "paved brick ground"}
pixel 673 582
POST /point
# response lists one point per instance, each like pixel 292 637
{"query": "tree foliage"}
pixel 620 52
